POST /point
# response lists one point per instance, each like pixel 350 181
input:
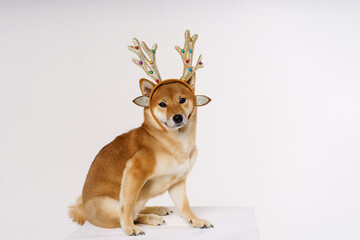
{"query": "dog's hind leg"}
pixel 103 212
pixel 161 211
pixel 149 219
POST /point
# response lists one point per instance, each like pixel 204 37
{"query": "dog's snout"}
pixel 178 118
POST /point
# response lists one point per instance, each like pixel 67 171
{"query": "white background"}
pixel 282 133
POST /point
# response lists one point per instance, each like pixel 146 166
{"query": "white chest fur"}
pixel 169 170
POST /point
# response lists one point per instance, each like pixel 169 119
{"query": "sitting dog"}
pixel 149 160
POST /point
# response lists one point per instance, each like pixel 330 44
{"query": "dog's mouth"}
pixel 176 125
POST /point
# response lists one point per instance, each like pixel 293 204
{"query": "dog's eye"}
pixel 162 104
pixel 182 100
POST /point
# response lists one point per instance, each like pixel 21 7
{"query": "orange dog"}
pixel 149 160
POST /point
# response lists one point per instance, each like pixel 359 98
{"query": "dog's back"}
pixel 103 181
pixel 106 171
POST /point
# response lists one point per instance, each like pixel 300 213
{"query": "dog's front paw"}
pixel 200 223
pixel 133 230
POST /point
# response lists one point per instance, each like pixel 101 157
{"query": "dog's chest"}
pixel 169 171
pixel 168 164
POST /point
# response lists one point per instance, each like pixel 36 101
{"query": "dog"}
pixel 146 162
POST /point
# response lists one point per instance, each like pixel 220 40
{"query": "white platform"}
pixel 229 223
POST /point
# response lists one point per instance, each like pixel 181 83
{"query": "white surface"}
pixel 230 224
pixel 281 134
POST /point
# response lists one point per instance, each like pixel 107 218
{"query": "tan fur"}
pixel 149 219
pixel 140 165
pixel 160 211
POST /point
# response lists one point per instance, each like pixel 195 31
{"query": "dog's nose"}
pixel 178 118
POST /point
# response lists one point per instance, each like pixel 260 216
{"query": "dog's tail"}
pixel 76 211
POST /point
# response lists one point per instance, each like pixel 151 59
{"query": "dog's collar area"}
pixel 169 81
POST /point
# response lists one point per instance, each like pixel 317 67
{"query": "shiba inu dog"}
pixel 149 160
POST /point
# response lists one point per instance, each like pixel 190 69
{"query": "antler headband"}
pixel 186 54
pixel 148 64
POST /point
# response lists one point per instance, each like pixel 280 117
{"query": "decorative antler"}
pixel 186 54
pixel 148 64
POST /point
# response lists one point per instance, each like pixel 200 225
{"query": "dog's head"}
pixel 172 102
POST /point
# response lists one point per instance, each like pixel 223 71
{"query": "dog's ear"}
pixel 142 101
pixel 191 81
pixel 202 100
pixel 146 86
